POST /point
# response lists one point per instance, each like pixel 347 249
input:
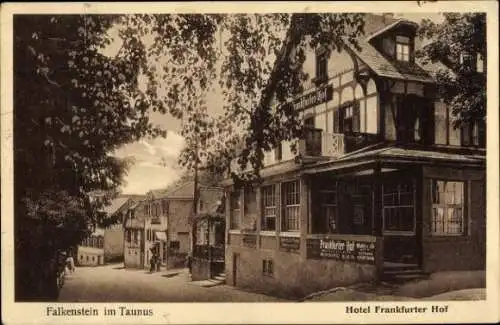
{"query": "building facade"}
pixel 161 224
pixel 384 184
pixel 105 245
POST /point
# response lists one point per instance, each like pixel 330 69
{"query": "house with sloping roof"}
pixel 105 244
pixel 161 225
pixel 384 187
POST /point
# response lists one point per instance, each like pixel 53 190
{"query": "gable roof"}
pixel 377 25
pixel 391 26
pixel 381 66
pixel 115 205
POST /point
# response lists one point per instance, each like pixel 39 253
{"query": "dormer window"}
pixel 402 48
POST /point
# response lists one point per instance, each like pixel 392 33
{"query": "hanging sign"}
pixel 314 98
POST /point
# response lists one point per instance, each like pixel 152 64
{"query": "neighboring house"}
pixel 105 245
pixel 384 184
pixel 161 224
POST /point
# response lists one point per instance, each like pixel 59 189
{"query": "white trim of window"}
pixel 267 233
pixel 234 231
pixel 290 234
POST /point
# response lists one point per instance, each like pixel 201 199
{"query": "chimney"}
pixel 387 17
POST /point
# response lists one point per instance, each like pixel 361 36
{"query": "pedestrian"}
pixel 158 262
pixel 152 262
pixel 189 262
pixel 70 262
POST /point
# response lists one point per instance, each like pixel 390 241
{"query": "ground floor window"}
pixel 448 217
pixel 235 213
pixel 291 203
pixel 269 208
pixel 267 267
pixel 329 212
pixel 399 206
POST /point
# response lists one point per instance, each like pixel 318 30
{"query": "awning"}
pixel 160 235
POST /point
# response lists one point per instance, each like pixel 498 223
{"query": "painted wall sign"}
pixel 249 240
pixel 290 244
pixel 314 98
pixel 342 250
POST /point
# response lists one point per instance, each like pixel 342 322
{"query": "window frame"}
pixel 265 207
pixel 413 206
pixel 321 66
pixel 235 213
pixel 401 43
pixel 288 207
pixel 268 267
pixel 464 231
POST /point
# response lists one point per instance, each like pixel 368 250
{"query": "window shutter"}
pixel 355 116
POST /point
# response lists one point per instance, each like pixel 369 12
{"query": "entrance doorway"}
pixel 399 220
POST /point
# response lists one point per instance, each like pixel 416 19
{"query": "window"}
pixel 402 48
pixel 329 209
pixel 473 134
pixel 235 210
pixel 269 208
pixel 447 208
pixel 278 152
pixel 249 209
pixel 267 267
pixel 146 210
pixel 322 66
pixel 468 62
pixel 165 207
pixel 399 209
pixel 201 205
pixel 346 118
pixel 291 203
pixel 175 245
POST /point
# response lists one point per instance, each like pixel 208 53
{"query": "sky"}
pixel 155 164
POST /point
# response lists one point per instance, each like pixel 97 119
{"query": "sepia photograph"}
pixel 304 156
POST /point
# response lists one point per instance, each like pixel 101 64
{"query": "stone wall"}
pixel 293 276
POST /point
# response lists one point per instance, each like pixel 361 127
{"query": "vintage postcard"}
pixel 250 162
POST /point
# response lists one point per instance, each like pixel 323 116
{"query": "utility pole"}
pixel 195 199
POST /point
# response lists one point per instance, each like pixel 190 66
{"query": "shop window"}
pixel 291 203
pixel 269 208
pixel 402 48
pixel 399 206
pixel 329 212
pixel 235 214
pixel 267 267
pixel 448 217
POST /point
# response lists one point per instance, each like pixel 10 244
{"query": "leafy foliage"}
pixel 463 87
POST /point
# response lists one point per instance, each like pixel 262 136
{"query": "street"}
pixel 113 283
